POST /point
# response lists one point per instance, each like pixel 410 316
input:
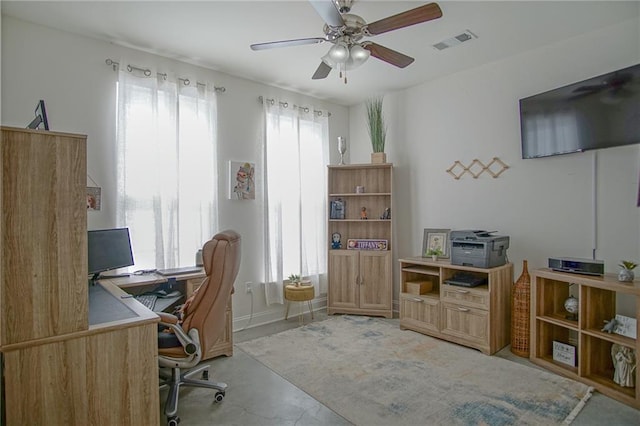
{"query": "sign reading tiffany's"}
pixel 366 244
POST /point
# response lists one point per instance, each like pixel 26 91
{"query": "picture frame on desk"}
pixel 436 238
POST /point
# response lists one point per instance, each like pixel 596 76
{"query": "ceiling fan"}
pixel 346 31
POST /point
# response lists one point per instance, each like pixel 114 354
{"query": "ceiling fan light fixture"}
pixel 339 53
pixel 327 60
pixel 359 53
pixel 358 56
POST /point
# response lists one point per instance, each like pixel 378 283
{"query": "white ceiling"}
pixel 217 35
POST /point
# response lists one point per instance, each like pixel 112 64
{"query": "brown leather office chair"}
pixel 203 322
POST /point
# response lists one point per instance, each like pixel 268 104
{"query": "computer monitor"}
pixel 108 249
pixel 41 117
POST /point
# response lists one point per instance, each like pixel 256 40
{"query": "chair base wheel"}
pixel 173 421
pixel 218 397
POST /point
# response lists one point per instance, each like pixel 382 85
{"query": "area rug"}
pixel 372 373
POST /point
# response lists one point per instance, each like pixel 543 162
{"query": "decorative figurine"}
pixel 386 214
pixel 363 213
pixel 624 364
pixel 609 325
pixel 335 240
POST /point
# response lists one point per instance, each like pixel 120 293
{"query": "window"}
pixel 296 156
pixel 166 168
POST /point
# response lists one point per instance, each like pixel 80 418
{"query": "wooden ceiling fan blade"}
pixel 287 43
pixel 328 12
pixel 398 59
pixel 322 71
pixel 405 19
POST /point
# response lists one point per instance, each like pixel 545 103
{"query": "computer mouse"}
pixel 174 293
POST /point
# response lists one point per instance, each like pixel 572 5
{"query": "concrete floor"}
pixel 258 396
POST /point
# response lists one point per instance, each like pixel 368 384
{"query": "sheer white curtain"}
pixel 166 145
pixel 295 157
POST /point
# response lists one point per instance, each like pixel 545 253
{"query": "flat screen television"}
pixel 108 249
pixel 600 112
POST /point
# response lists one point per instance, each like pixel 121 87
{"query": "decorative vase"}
pixel 520 316
pixel 378 157
pixel 626 275
pixel 342 148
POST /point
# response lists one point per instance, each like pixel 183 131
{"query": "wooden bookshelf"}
pixel 597 302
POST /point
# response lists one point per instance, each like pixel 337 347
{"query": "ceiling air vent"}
pixel 455 40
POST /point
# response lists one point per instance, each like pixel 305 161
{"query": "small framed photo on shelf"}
pixel 625 326
pixel 337 209
pixel 564 353
pixel 436 242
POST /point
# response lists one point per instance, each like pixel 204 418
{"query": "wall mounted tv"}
pixel 600 112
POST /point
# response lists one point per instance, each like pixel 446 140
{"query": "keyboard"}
pixel 180 271
pixel 148 300
pixel 466 280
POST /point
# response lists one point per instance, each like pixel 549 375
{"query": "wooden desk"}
pixel 80 372
pixel 187 283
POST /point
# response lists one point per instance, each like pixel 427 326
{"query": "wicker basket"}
pixel 520 315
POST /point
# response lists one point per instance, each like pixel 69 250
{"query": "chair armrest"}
pixel 190 342
pixel 167 318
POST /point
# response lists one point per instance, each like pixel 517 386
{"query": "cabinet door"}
pixel 343 276
pixel 375 280
pixel 467 323
pixel 419 312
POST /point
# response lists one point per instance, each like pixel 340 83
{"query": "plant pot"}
pixel 434 257
pixel 626 275
pixel 378 157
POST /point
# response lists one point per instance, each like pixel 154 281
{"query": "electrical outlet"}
pixel 249 287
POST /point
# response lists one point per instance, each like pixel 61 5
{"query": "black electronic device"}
pixel 465 279
pixel 108 249
pixel 600 112
pixel 148 300
pixel 577 266
pixel 40 118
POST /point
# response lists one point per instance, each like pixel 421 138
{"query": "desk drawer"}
pixel 471 297
pixel 469 324
pixel 419 311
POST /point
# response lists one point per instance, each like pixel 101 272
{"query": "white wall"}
pixel 544 205
pixel 70 74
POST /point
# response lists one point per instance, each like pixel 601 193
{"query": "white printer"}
pixel 480 249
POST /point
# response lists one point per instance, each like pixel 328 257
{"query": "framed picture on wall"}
pixel 436 242
pixel 94 198
pixel 241 180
